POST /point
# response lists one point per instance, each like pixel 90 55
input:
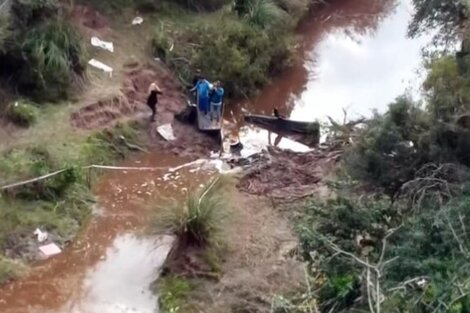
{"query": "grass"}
pixel 174 292
pixel 200 220
pixel 22 113
pixel 59 205
pixel 9 270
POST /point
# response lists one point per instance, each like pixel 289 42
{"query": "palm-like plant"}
pixel 199 221
pixel 54 54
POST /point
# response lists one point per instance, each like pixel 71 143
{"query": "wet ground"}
pixel 354 54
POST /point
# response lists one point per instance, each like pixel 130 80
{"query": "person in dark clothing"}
pixel 152 99
pixel 196 78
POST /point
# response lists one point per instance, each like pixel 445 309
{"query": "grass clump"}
pixel 42 51
pixel 54 59
pixel 22 113
pixel 200 220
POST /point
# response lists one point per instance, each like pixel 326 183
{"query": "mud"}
pixel 90 21
pixel 112 255
pixel 289 176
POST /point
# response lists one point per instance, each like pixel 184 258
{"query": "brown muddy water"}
pixel 354 54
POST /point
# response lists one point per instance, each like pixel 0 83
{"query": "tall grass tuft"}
pixel 262 13
pixel 200 220
pixel 54 57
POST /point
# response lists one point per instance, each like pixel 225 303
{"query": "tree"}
pixel 445 16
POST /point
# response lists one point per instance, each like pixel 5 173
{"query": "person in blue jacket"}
pixel 217 97
pixel 203 88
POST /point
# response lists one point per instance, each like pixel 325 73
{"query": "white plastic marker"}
pixel 50 250
pixel 166 131
pixel 137 20
pixel 106 45
pixel 101 66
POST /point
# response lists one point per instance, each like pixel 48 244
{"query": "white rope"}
pixel 121 168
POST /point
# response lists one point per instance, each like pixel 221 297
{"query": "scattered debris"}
pixel 100 65
pixel 50 249
pixel 106 45
pixel 137 20
pixel 286 175
pixel 42 236
pixel 166 131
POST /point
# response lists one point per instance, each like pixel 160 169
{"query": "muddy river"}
pixel 354 55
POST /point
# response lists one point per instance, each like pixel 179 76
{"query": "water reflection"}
pixel 355 55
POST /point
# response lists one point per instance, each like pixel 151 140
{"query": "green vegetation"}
pixel 446 16
pixel 59 204
pixel 200 220
pixel 394 238
pixel 173 292
pixel 22 113
pixel 242 47
pixel 43 52
pixel 8 270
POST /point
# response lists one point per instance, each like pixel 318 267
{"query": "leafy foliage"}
pixel 224 48
pixel 426 255
pixel 444 16
pixel 43 52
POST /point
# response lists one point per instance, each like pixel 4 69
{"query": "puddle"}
pixel 120 283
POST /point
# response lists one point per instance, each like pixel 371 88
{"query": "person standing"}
pixel 152 99
pixel 216 101
pixel 202 88
pixel 196 77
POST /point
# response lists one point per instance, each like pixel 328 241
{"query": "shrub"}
pixel 224 48
pixel 22 113
pixel 199 221
pixel 27 14
pixel 54 57
pixel 391 147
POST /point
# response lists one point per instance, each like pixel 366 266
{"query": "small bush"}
pixel 225 48
pixel 200 220
pixel 54 57
pixel 22 113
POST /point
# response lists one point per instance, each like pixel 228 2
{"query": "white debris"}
pixel 42 236
pixel 106 45
pixel 137 20
pixel 166 131
pixel 100 65
pixel 50 250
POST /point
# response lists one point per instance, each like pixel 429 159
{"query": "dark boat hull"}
pixel 283 125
